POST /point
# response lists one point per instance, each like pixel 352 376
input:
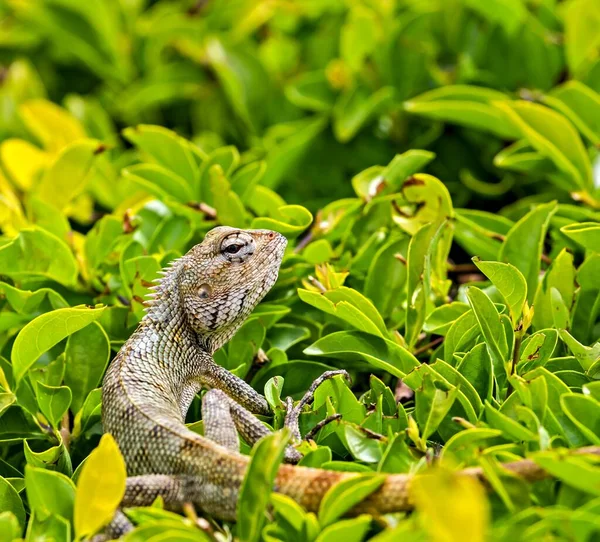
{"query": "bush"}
pixel 434 165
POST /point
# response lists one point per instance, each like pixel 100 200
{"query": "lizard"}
pixel 196 307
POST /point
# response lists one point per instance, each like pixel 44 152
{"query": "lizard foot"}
pixel 292 416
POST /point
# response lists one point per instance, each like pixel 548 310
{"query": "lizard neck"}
pixel 164 303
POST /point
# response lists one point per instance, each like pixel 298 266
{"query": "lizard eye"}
pixel 237 247
pixel 233 249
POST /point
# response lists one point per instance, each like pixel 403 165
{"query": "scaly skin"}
pixel 202 300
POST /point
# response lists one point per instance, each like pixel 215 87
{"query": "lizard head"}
pixel 223 278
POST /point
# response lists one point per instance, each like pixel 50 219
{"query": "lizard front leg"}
pixel 216 377
pixel 224 418
pixel 223 413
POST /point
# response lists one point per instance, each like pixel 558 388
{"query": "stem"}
pixel 65 430
pixel 427 346
pixel 515 359
pixel 320 425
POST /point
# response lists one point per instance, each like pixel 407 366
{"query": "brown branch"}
pixel 310 435
pixel 425 347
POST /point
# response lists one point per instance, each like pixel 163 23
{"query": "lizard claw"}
pixel 293 412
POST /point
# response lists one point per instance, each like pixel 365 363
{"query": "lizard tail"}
pixel 308 486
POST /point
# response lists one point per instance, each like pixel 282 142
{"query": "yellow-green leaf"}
pixel 100 488
pixel 53 126
pixel 22 161
pixel 452 507
pixel 38 253
pixel 66 177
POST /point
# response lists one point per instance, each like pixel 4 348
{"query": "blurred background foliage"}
pixel 391 141
pixel 321 89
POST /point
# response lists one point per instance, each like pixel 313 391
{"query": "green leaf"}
pixel 349 530
pixel 28 302
pixel 537 349
pixel 428 201
pixel 55 458
pixel 227 203
pixel 587 234
pixel 432 405
pixel 524 244
pixel 165 148
pixel 358 37
pixel 289 509
pixel 9 527
pixel 292 141
pixel 49 528
pixel 560 277
pixel 37 253
pixel 553 136
pixel 386 276
pixel 587 303
pixel 509 14
pixel 510 283
pixel 54 401
pixel 464 105
pixel 273 389
pixel 345 494
pixel 480 233
pixel 11 502
pixel 417 283
pixel 461 334
pixel 258 484
pixel 390 179
pixel 493 332
pixel 349 305
pixel 556 420
pixel 440 320
pixel 587 356
pixel 49 493
pixel 377 352
pixel 66 177
pixel 584 412
pixel 511 429
pixel 289 220
pixel 464 446
pixel 159 181
pixel 580 104
pixel 311 91
pixel 581 39
pixel 45 331
pixel 573 471
pixel 355 107
pixel 362 447
pixel 477 368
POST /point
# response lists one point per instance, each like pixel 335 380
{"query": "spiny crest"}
pixel 155 292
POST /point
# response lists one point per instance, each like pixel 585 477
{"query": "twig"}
pixel 515 357
pixel 371 434
pixel 310 435
pixel 65 430
pixel 208 211
pixel 460 268
pixel 303 242
pixel 427 346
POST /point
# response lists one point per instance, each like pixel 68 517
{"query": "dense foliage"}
pixel 431 163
